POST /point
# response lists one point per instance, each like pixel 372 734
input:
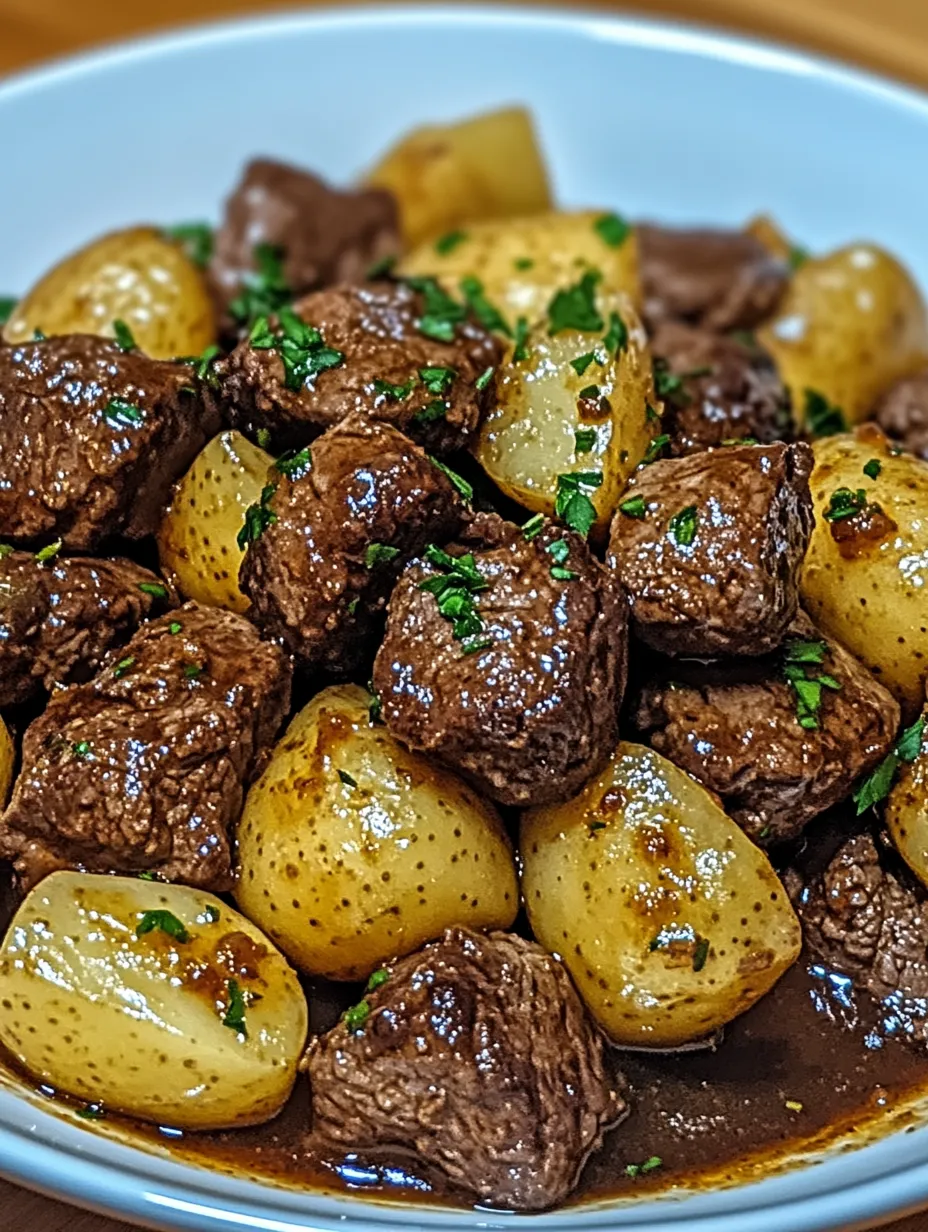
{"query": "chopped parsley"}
pixel 486 313
pixel 872 468
pixel 211 914
pixel 264 289
pixel 642 1169
pixel 457 480
pixel 877 786
pixel 438 380
pixel 377 980
pixel 202 364
pixel 193 671
pixel 845 504
pixel 655 449
pixel 157 590
pixel 592 392
pixel 124 336
pixel 701 953
pixel 523 263
pixel 436 409
pixel 146 875
pixel 575 307
pixel 394 393
pixel 374 704
pixel 797 257
pixel 571 503
pixel 347 779
pixel 234 1017
pixel 682 526
pixel 164 922
pixel 7 305
pixel 93 1112
pixel 800 656
pixel 6 549
pixel 582 362
pixel 613 229
pixel 454 589
pixel 295 463
pixel 355 1017
pixel 354 605
pixel 533 527
pixel 381 269
pixel 822 418
pixel 584 439
pixel 616 338
pixel 446 244
pixel 301 347
pixel 560 574
pixel 560 550
pixel 49 552
pixel 441 314
pixel 264 438
pixel 668 386
pixel 123 666
pixel 175 627
pixel 258 518
pixel 379 554
pixel 81 749
pixel 120 414
pixel 634 507
pixel 484 378
pixel 475 645
pixel 520 350
pixel 196 239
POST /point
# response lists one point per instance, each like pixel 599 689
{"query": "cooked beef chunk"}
pixel 709 548
pixel 522 698
pixel 390 371
pixel 477 1056
pixel 717 388
pixel 144 767
pixel 319 235
pixel 365 501
pixel 718 279
pixel 91 439
pixel 59 618
pixel 735 726
pixel 902 413
pixel 863 920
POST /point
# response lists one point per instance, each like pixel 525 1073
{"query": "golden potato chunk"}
pixel 7 761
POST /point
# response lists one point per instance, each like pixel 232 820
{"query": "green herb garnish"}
pixel 374 704
pixel 457 480
pixel 447 243
pixel 575 307
pixel 120 414
pixel 584 440
pixel 394 393
pixel 6 549
pixel 193 671
pixel 264 438
pixel 440 313
pixel 347 779
pixel 701 953
pixel 234 1017
pixel 571 503
pixel 165 922
pixel 157 590
pixel 877 785
pixel 196 239
pixel 381 269
pixel 613 229
pixel 454 589
pixel 533 527
pixel 436 409
pixel 81 749
pixel 258 518
pixel 649 1165
pixel 355 1017
pixel 124 337
pixel 486 313
pixel 484 379
pixel 377 980
pixel 682 526
pixel 301 347
pixel 655 449
pixel 845 504
pixel 520 350
pixel 123 666
pixel 616 338
pixel 822 418
pixel 295 463
pixel 873 468
pixel 800 656
pixel 379 554
pixel 634 507
pixel 523 263
pixel 797 257
pixel 7 305
pixel 264 290
pixel 582 362
pixel 44 555
pixel 592 392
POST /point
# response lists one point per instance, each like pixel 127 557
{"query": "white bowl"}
pixel 654 119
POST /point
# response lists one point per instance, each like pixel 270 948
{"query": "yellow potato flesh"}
pixel 137 276
pixel 851 324
pixel 136 1023
pixel 670 920
pixel 197 538
pixel 871 596
pixel 354 851
pixel 530 435
pixel 7 761
pixel 489 166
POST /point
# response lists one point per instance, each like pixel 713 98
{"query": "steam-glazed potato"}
pixel 865 577
pixel 7 759
pixel 906 813
pixel 549 419
pixel 154 1000
pixel 197 538
pixel 488 166
pixel 137 276
pixel 851 324
pixel 354 851
pixel 520 263
pixel 669 918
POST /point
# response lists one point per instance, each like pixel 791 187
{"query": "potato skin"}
pixel 529 436
pixel 358 875
pixel 197 538
pixel 488 166
pixel 669 919
pixel 868 590
pixel 7 761
pixel 851 324
pixel 73 972
pixel 137 276
pixel 906 813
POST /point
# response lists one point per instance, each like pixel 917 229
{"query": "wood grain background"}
pixel 889 35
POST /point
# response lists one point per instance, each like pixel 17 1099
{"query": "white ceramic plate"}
pixel 653 119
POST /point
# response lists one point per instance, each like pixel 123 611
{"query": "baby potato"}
pixel 137 276
pixel 851 324
pixel 541 427
pixel 197 538
pixel 488 166
pixel 906 813
pixel 669 919
pixel 155 1000
pixel 521 263
pixel 766 229
pixel 7 760
pixel 354 851
pixel 865 577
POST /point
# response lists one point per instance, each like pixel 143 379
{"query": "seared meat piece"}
pixel 59 618
pixel 91 439
pixel 144 767
pixel 347 521
pixel 863 920
pixel 709 548
pixel 717 388
pixel 735 726
pixel 388 369
pixel 718 279
pixel 477 1057
pixel 902 413
pixel 318 234
pixel 522 698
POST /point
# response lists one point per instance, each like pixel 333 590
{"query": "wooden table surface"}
pixel 891 35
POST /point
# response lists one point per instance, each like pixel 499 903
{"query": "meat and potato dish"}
pixel 462 684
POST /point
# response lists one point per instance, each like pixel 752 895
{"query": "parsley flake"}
pixel 701 953
pixel 649 1165
pixel 196 239
pixel 379 554
pixel 616 338
pixel 265 289
pixel 6 549
pixel 655 449
pixel 258 518
pixel 590 391
pixel 7 305
pixel 124 337
pixel 436 409
pixel 456 480
pixel 800 656
pixel 560 574
pixel 295 463
pixel 523 263
pixel 374 704
pixel 157 590
pixel 571 503
pixel 454 589
pixel 193 671
pixel 355 1017
pixel 446 244
pixel 520 350
pixel 575 307
pixel 394 393
pixel 441 314
pixel 845 504
pixel 49 552
pixel 162 921
pixel 582 362
pixel 234 1017
pixel 682 526
pixel 533 527
pixel 634 507
pixel 584 439
pixel 264 438
pixel 438 380
pixel 486 313
pixel 872 468
pixel 122 667
pixel 120 414
pixel 81 749
pixel 560 550
pixel 301 347
pixel 484 378
pixel 877 786
pixel 613 229
pixel 377 980
pixel 381 269
pixel 822 418
pixel 347 779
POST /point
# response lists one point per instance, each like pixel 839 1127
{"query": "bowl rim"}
pixel 55 1155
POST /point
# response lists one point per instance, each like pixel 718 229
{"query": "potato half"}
pixel 154 1000
pixel 522 262
pixel 197 538
pixel 540 427
pixel 137 276
pixel 670 920
pixel 851 324
pixel 865 578
pixel 354 851
pixel 488 166
pixel 7 761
